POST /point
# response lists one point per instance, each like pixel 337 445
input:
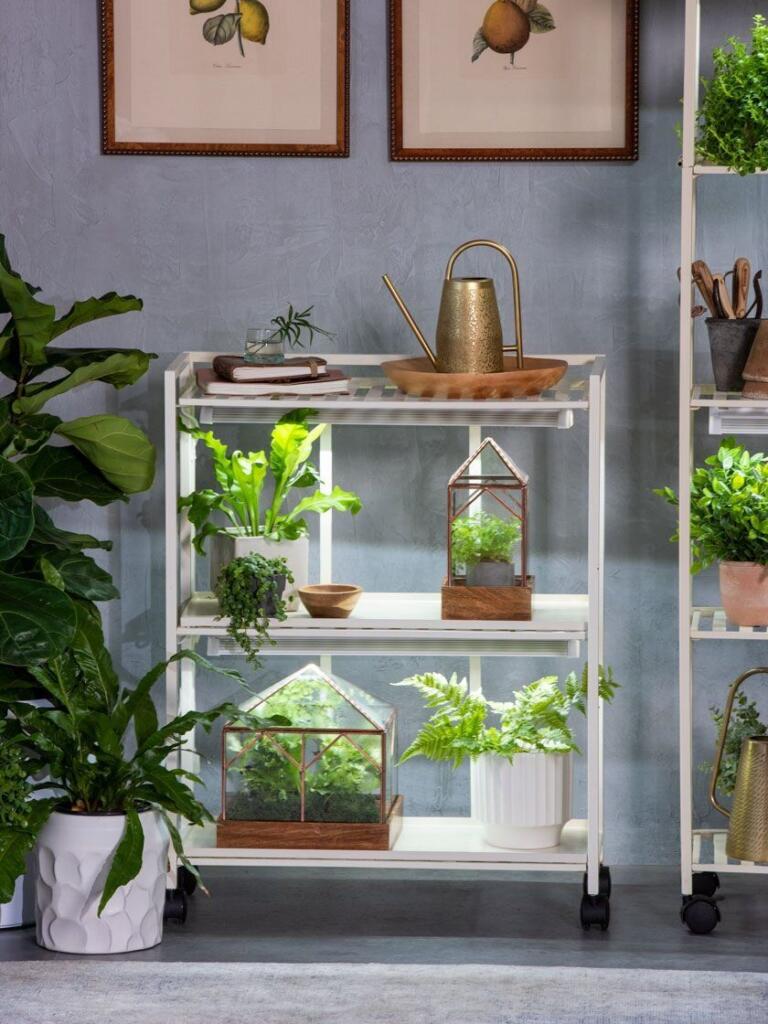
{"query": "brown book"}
pixel 325 384
pixel 236 369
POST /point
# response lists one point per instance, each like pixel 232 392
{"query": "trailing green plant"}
pixel 483 537
pixel 250 593
pixel 536 719
pixel 733 118
pixel 729 507
pixel 290 329
pixel 101 749
pixel 745 722
pixel 44 570
pixel 241 479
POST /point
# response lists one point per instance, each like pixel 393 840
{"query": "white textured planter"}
pixel 226 546
pixel 524 805
pixel 74 852
pixel 12 914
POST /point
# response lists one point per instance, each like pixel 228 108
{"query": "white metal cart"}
pixel 402 624
pixel 702 851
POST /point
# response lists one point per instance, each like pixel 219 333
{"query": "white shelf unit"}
pixel 701 850
pixel 400 624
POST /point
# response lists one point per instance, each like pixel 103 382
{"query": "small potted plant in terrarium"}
pixel 268 344
pixel 484 545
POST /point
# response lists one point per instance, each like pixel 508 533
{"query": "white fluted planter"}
pixel 227 546
pixel 523 805
pixel 12 914
pixel 74 853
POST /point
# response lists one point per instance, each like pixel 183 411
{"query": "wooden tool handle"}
pixel 702 277
pixel 722 299
pixel 742 272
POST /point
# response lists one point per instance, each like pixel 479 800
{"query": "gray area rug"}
pixel 94 991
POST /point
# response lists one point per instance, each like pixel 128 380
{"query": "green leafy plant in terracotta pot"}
pixel 250 592
pixel 729 525
pixel 241 519
pixel 521 748
pixel 484 544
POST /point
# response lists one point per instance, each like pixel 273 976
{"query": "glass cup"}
pixel 263 345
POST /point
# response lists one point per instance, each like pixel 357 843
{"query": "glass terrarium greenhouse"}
pixel 333 765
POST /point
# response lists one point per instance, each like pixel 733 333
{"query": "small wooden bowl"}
pixel 330 600
pixel 418 377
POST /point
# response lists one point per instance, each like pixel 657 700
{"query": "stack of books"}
pixel 301 375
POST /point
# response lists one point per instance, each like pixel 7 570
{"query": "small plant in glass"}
pixel 268 344
pixel 487 524
pixel 325 780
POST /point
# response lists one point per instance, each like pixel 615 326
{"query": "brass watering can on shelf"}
pixel 469 336
pixel 748 829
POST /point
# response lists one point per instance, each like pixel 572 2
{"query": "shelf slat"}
pixel 712 624
pixel 709 854
pixel 730 412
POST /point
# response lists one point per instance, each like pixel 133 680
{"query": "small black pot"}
pixel 269 608
pixel 491 574
pixel 730 342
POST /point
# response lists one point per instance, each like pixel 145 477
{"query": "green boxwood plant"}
pixel 250 592
pixel 483 537
pixel 745 722
pixel 729 507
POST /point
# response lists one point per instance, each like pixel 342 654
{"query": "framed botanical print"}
pixel 225 77
pixel 514 79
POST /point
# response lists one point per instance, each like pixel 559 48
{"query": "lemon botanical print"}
pixel 249 20
pixel 508 24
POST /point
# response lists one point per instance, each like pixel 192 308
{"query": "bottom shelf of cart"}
pixel 431 843
pixel 709 855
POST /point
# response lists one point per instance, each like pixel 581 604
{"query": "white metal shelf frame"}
pixel 701 850
pixel 559 626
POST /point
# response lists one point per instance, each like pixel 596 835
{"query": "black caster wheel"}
pixel 705 883
pixel 175 906
pixel 595 911
pixel 700 914
pixel 605 882
pixel 186 881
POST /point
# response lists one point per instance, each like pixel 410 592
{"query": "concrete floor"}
pixel 301 916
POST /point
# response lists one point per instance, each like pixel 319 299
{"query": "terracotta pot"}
pixel 744 592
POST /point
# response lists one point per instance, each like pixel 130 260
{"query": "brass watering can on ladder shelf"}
pixel 748 829
pixel 469 335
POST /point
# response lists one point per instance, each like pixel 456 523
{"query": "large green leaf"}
pixel 16 509
pixel 117 447
pixel 338 499
pixel 33 320
pixel 73 358
pixel 29 434
pixel 37 621
pixel 66 473
pixel 93 659
pixel 127 859
pixel 46 534
pixel 88 310
pixel 119 370
pixel 82 577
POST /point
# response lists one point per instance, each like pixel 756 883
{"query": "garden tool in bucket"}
pixel 748 829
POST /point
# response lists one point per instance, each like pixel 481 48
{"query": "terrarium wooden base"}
pixel 312 835
pixel 509 603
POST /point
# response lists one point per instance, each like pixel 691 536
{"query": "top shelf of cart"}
pixel 373 401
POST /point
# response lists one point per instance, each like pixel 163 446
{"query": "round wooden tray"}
pixel 417 377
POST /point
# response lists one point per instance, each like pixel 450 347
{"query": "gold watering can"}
pixel 469 336
pixel 748 830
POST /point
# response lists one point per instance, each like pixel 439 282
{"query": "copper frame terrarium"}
pixel 502 492
pixel 326 781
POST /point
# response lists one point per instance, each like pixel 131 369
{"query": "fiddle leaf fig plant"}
pixel 729 507
pixel 241 479
pixel 100 458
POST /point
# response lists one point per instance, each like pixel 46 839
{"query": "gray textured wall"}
pixel 212 245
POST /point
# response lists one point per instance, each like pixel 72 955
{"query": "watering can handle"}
pixel 517 348
pixel 735 686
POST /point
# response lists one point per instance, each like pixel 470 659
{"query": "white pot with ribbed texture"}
pixel 74 853
pixel 523 805
pixel 12 914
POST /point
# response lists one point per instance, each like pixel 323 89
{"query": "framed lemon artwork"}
pixel 225 77
pixel 514 79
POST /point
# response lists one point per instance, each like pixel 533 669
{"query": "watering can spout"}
pixel 410 321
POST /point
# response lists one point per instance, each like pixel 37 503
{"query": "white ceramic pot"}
pixel 12 914
pixel 523 805
pixel 226 546
pixel 74 852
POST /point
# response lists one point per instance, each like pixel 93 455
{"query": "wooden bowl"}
pixel 418 377
pixel 330 600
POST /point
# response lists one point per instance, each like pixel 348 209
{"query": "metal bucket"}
pixel 730 342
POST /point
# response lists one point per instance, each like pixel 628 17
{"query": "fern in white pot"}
pixel 523 780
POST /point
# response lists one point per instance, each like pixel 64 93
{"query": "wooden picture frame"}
pixel 330 86
pixel 409 142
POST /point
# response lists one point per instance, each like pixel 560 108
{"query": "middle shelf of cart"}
pixel 405 624
pixel 730 412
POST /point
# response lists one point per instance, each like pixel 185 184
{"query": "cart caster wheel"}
pixel 595 910
pixel 186 881
pixel 705 883
pixel 175 906
pixel 605 882
pixel 700 914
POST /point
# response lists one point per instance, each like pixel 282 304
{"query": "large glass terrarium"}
pixel 326 780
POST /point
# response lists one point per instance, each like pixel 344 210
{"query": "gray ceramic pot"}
pixel 491 574
pixel 730 342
